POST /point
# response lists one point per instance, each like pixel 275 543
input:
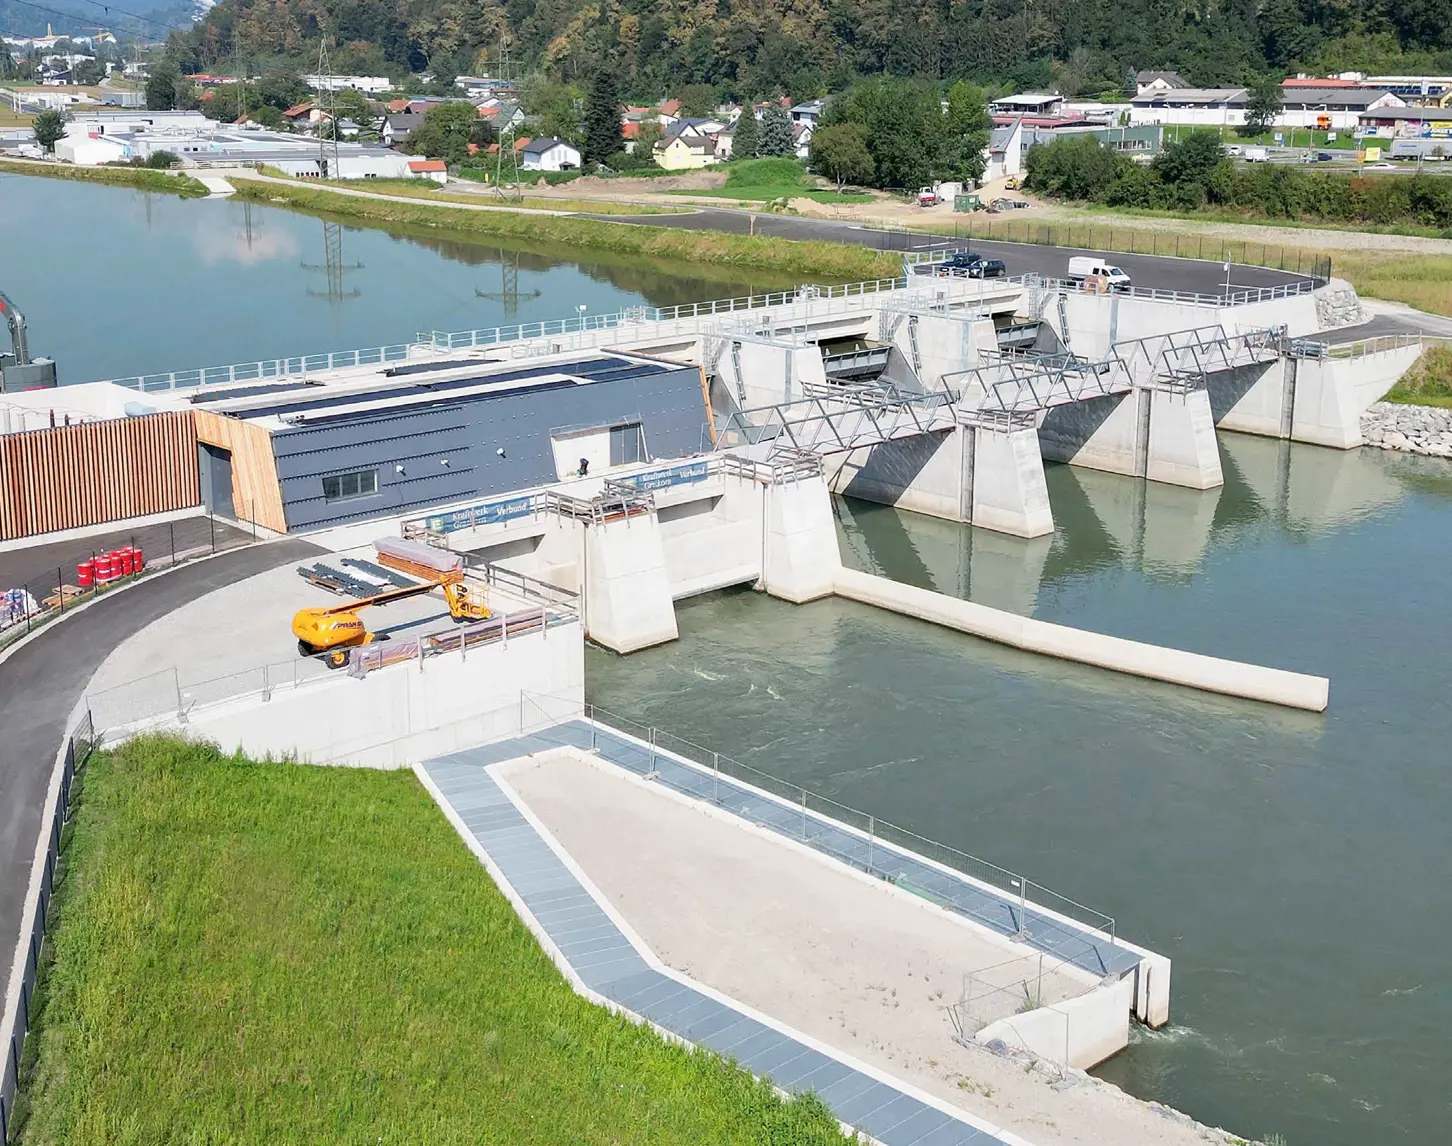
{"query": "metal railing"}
pixel 264 370
pixel 1010 988
pixel 837 424
pixel 864 840
pixel 79 741
pixel 1311 348
pixel 170 694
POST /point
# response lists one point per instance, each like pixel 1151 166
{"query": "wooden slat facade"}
pixel 75 476
pixel 256 496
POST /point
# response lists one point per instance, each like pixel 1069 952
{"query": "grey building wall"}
pixel 409 448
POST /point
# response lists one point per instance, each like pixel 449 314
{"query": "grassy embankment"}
pixel 141 178
pixel 280 953
pixel 433 193
pixel 816 261
pixel 751 181
pixel 1428 383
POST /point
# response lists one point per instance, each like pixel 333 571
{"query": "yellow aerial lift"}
pixel 336 629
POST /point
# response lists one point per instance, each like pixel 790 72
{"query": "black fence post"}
pixel 212 527
pixel 172 531
pixel 60 589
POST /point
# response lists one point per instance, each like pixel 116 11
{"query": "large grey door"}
pixel 215 465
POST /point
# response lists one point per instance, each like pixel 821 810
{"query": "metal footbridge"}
pixel 1006 394
pixel 1180 361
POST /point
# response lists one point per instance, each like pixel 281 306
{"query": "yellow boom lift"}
pixel 336 629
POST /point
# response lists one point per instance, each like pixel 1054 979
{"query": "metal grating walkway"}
pixel 608 964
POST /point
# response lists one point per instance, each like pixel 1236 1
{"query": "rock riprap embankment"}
pixel 1410 429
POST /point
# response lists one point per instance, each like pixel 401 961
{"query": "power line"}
pixel 107 8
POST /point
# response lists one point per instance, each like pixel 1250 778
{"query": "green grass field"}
pixel 274 953
pixel 820 261
pixel 1428 383
pixel 767 180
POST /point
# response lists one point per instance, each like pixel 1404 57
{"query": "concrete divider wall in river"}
pixel 1195 670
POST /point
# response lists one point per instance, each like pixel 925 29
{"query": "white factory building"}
pixel 96 137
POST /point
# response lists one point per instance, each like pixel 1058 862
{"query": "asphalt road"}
pixel 42 681
pixel 37 565
pixel 1160 272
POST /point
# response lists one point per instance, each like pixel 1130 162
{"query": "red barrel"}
pixel 125 552
pixel 103 569
pixel 137 562
pixel 85 575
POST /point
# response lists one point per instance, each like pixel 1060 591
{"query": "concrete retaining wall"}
pixel 1078 1033
pixel 396 716
pixel 1194 670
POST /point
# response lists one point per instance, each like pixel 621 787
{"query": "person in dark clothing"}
pixel 584 466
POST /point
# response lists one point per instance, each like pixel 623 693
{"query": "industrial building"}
pixel 104 136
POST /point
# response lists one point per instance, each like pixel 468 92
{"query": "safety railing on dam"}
pixel 1378 344
pixel 1016 905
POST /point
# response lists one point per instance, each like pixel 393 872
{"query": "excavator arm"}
pixel 16 322
pixel 335 629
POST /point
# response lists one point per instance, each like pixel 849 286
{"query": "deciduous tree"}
pixel 840 152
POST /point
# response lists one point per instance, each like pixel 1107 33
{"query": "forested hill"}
pixel 802 47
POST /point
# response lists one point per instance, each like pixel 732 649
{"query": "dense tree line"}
pixel 1194 173
pixel 752 48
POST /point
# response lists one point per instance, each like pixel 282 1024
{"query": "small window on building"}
pixel 341 487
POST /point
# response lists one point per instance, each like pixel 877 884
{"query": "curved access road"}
pixel 1158 272
pixel 41 681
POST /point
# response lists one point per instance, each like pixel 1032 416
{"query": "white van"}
pixel 1082 267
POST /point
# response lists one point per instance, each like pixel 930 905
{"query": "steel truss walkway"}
pixel 1180 361
pixel 834 419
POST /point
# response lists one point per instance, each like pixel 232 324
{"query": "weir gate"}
pixel 939 393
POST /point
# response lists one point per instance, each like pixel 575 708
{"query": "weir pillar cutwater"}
pixel 627 596
pixel 986 475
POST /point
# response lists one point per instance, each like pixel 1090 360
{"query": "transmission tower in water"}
pixel 508 292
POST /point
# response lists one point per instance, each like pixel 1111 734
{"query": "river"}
pixel 1294 867
pixel 115 282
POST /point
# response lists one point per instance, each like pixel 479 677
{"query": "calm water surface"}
pixel 1295 867
pixel 116 282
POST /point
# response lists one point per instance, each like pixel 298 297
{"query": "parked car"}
pixel 927 197
pixel 972 265
pixel 1083 267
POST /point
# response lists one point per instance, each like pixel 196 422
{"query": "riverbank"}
pixel 816 260
pixel 326 928
pixel 1425 430
pixel 139 178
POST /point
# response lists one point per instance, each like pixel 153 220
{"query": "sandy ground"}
pixel 856 964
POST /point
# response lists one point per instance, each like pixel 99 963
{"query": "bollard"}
pixel 871 836
pixel 716 778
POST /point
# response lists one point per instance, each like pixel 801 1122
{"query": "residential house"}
pixel 398 127
pixel 435 169
pixel 668 112
pixel 1155 80
pixel 685 152
pixel 1005 151
pixel 802 139
pixel 549 154
pixel 301 114
pixel 809 112
pixel 506 115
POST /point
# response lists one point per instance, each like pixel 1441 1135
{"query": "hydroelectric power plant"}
pixel 589 474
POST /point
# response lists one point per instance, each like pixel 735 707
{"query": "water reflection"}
pixel 1161 532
